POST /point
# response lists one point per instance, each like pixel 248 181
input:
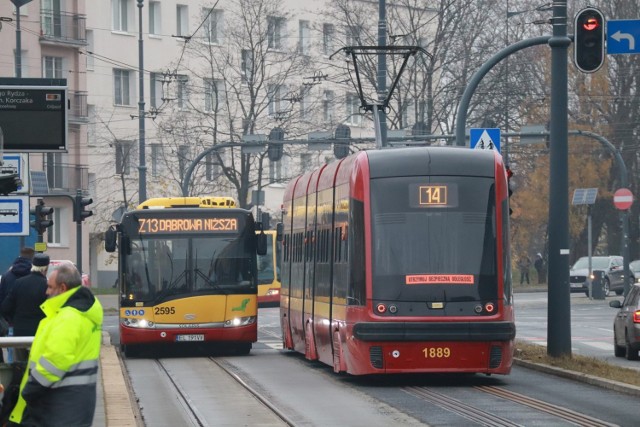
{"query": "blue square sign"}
pixel 485 138
pixel 623 36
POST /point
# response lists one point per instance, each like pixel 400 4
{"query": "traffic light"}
pixel 341 148
pixel 274 150
pixel 79 211
pixel 9 183
pixel 588 42
pixel 40 221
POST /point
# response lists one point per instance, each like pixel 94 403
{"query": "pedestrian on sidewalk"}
pixel 538 264
pixel 59 386
pixel 21 267
pixel 524 264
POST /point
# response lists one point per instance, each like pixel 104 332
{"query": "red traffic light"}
pixel 591 24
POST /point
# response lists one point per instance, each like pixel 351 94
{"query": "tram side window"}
pixel 357 287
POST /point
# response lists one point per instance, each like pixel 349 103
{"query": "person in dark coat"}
pixel 21 267
pixel 22 306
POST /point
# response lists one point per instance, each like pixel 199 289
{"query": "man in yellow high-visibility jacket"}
pixel 59 385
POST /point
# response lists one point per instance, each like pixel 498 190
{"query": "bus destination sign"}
pixel 186 225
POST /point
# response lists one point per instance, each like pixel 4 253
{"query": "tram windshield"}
pixel 434 238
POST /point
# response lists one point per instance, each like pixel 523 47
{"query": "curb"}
pixel 117 401
pixel 579 376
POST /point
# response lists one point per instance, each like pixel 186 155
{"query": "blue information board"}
pixel 623 36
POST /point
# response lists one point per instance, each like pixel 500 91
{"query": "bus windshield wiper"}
pixel 209 282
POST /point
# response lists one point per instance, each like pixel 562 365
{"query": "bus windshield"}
pixel 157 268
pixel 434 238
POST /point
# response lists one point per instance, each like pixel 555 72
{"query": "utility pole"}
pixel 142 167
pixel 559 307
pixel 382 70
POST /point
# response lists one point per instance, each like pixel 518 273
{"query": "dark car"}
pixel 612 272
pixel 634 269
pixel 626 325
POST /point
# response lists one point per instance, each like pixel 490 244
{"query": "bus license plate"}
pixel 192 337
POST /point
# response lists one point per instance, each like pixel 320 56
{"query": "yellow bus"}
pixel 187 272
pixel 269 272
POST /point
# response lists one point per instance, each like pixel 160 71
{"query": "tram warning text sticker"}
pixel 436 279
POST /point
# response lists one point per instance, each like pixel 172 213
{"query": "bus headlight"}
pixel 239 321
pixel 273 291
pixel 137 323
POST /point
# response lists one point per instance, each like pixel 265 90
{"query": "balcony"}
pixel 63 27
pixel 66 178
pixel 79 112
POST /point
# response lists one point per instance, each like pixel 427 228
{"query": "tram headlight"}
pixel 239 321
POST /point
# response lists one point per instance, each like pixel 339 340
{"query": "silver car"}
pixel 612 269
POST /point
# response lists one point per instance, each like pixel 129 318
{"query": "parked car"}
pixel 626 325
pixel 634 269
pixel 612 272
pixel 54 263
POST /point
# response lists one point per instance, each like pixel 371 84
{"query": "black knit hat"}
pixel 41 260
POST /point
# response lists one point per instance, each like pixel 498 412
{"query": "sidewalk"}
pixel 113 408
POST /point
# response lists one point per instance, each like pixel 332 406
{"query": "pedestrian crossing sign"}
pixel 485 138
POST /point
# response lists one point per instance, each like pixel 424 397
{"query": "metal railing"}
pixel 63 26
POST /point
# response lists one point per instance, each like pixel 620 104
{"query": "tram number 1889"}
pixel 436 352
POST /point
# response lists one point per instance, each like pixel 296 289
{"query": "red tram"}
pixel 397 261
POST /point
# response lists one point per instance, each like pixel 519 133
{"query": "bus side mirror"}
pixel 279 231
pixel 261 245
pixel 110 239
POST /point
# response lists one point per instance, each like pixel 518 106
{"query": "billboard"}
pixel 33 118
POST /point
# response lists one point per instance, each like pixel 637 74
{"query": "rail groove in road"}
pixel 467 411
pixel 254 392
pixel 558 411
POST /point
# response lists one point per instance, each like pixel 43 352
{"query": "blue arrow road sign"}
pixel 485 138
pixel 623 36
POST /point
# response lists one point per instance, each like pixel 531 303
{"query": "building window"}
pixel 212 167
pixel 124 151
pixel 353 36
pixel 213 25
pixel 328 46
pixel 304 41
pixel 183 159
pixel 275 171
pixel 305 161
pixel 55 232
pixel 182 18
pixel 246 65
pixel 327 106
pixel 52 67
pixel 275 98
pixel 156 150
pixel 51 19
pixel 183 91
pixel 275 32
pixel 121 11
pixel 121 87
pixel 55 171
pixel 305 103
pixel 353 110
pixel 154 18
pixel 155 90
pixel 90 48
pixel 213 94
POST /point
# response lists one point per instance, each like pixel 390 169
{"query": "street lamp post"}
pixel 142 167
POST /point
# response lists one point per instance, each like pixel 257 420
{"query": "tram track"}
pixel 558 411
pixel 195 416
pixel 489 419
